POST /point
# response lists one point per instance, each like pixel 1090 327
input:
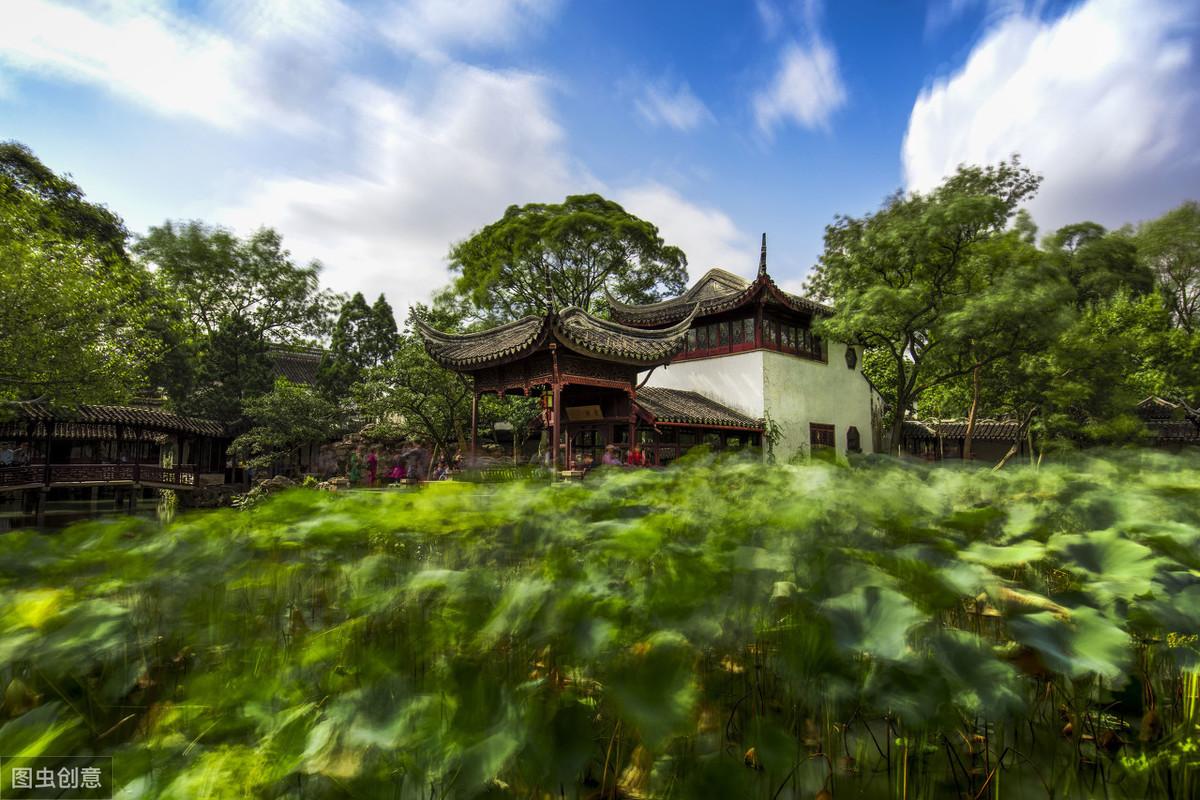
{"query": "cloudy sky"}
pixel 375 134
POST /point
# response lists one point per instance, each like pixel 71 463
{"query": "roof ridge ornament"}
pixel 762 258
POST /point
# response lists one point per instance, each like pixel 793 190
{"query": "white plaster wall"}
pixel 734 380
pixel 797 392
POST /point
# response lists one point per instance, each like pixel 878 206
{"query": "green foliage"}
pixel 1100 265
pixel 417 397
pixel 76 310
pixel 230 298
pixel 929 280
pixel 718 627
pixel 287 417
pixel 585 245
pixel 1170 246
pixel 363 337
pixel 516 410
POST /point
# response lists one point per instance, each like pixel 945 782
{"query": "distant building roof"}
pixel 985 429
pixel 573 328
pixel 296 364
pixel 685 407
pixel 90 415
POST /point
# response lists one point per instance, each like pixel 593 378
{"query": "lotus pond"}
pixel 720 629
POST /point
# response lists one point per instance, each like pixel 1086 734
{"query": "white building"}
pixel 751 347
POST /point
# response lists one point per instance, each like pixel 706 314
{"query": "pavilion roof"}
pixel 573 328
pixel 716 292
pixel 132 416
pixel 686 407
pixel 296 364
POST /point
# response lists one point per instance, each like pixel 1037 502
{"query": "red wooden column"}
pixel 474 423
pixel 555 410
pixel 632 419
pixel 555 427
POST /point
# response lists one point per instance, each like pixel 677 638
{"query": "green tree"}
pixel 1170 246
pixel 424 400
pixel 518 411
pixel 1098 263
pixel 900 278
pixel 287 417
pixel 363 337
pixel 75 309
pixel 382 334
pixel 344 363
pixel 583 246
pixel 234 298
pixel 1013 304
pixel 232 366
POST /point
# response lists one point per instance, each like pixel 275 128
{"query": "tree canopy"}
pixel 230 299
pixel 907 279
pixel 581 247
pixel 363 337
pixel 76 311
pixel 1170 246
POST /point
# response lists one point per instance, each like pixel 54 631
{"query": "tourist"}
pixel 372 467
pixel 6 455
pixel 355 468
pixel 398 472
pixel 636 459
pixel 611 457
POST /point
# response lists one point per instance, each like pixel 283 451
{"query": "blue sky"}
pixel 375 134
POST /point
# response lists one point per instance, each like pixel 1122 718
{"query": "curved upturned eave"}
pixel 470 351
pixel 668 311
pixel 638 347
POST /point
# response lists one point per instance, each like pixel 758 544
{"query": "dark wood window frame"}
pixel 822 435
pixel 742 334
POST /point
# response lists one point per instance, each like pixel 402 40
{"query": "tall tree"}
pixel 382 334
pixel 582 246
pixel 221 276
pixel 1013 303
pixel 75 309
pixel 899 276
pixel 232 367
pixel 1170 245
pixel 363 337
pixel 235 297
pixel 343 365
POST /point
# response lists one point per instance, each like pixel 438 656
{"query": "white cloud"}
pixel 411 169
pixel 708 236
pixel 428 28
pixel 176 66
pixel 1102 102
pixel 770 16
pixel 677 108
pixel 428 175
pixel 807 88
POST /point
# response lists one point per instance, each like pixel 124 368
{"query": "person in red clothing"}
pixel 636 459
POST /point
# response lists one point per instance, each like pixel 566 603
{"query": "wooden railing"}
pixel 183 476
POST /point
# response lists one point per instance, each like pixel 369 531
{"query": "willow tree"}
pixel 905 278
pixel 540 254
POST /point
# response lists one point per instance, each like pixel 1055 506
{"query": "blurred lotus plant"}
pixel 718 629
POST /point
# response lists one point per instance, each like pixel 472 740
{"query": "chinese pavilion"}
pixel 709 367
